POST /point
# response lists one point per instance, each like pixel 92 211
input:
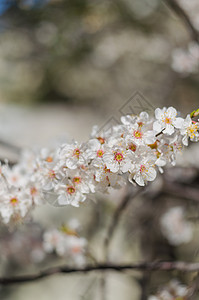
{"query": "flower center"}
pixel 49 159
pixel 137 134
pixel 132 147
pixel 76 249
pixel 143 168
pixel 100 153
pixel 33 191
pixel 51 174
pixel 77 180
pixel 14 201
pixel 168 120
pixel 76 152
pixel 70 190
pixel 192 130
pixel 118 156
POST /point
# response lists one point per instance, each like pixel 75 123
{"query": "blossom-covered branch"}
pixel 134 150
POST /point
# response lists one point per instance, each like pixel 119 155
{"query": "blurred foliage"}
pixel 92 52
pixel 43 43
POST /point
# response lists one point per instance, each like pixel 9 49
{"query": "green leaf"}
pixel 194 113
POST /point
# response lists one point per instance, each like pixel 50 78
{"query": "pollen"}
pixel 76 152
pixel 77 180
pixel 118 156
pixel 100 153
pixel 51 174
pixel 168 120
pixel 49 159
pixel 192 130
pixel 137 134
pixel 70 190
pixel 33 191
pixel 143 168
pixel 14 201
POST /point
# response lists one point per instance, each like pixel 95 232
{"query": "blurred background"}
pixel 66 65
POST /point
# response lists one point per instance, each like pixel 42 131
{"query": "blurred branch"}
pixel 194 288
pixel 10 146
pixel 149 266
pixel 181 191
pixel 117 215
pixel 175 6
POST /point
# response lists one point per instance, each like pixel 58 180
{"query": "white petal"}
pixel 157 126
pixel 139 179
pixel 171 112
pixel 178 122
pixel 158 113
pixel 151 174
pixel 169 129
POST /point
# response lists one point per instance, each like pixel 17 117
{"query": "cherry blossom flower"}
pixel 173 290
pixel 167 120
pixel 175 228
pixel 189 129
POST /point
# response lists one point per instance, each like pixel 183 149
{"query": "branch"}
pixel 175 6
pixel 10 146
pixel 117 215
pixel 150 266
pixel 181 191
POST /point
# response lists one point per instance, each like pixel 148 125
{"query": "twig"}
pixel 149 266
pixel 117 215
pixel 175 6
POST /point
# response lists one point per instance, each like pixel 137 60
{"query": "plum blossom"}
pixel 118 160
pixel 143 171
pixel 65 243
pixel 167 120
pixel 71 155
pixel 189 129
pixel 14 205
pixel 173 290
pixel 175 228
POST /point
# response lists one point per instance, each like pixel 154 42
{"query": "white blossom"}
pixel 175 228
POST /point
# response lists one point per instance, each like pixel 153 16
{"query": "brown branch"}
pixel 149 266
pixel 175 6
pixel 117 215
pixel 180 191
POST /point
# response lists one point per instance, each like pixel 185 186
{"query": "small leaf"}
pixel 194 113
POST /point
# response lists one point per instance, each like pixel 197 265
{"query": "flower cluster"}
pixel 186 61
pixel 175 228
pixel 174 290
pixel 66 243
pixel 135 149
